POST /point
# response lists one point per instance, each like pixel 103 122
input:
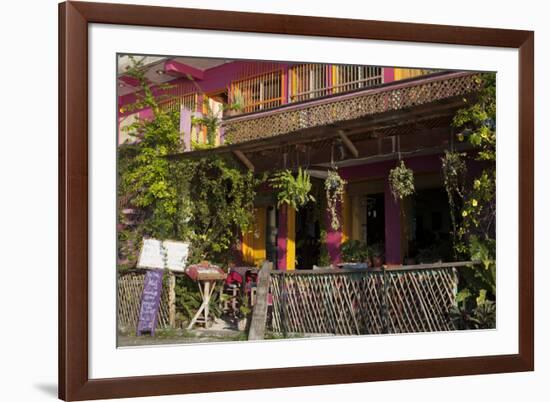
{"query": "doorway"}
pixel 308 235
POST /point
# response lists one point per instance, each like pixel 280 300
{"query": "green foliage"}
pixel 334 188
pixel 453 167
pixel 481 316
pixel 244 306
pixel 474 234
pixel 293 190
pixel 324 257
pixel 211 122
pixel 439 250
pixel 476 123
pixel 376 250
pixel 238 101
pixel 401 181
pixel 188 300
pixel 354 251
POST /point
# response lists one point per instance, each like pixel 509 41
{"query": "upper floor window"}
pixel 262 91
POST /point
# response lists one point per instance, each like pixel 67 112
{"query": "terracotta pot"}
pixel 377 261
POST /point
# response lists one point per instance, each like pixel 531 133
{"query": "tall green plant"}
pixel 144 170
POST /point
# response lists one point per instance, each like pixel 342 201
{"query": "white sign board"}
pixel 154 252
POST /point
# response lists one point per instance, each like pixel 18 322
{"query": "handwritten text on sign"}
pixel 150 302
pixel 163 254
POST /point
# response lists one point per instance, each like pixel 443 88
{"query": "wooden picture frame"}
pixel 74 382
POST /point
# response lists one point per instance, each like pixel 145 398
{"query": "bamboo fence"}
pixel 358 301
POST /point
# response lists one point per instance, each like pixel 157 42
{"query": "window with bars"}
pixel 175 101
pixel 308 81
pixel 263 91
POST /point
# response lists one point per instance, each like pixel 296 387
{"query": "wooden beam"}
pixel 349 145
pixel 259 313
pixel 242 157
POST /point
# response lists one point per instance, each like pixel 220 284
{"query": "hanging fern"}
pixel 292 190
pixel 334 187
pixel 401 181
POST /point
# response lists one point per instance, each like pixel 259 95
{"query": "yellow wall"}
pixel 253 246
pixel 404 73
pixel 347 223
pixel 291 239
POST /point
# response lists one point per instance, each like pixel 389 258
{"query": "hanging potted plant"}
pixel 401 181
pixel 293 190
pixel 334 187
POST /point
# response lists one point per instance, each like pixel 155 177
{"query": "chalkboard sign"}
pixel 150 302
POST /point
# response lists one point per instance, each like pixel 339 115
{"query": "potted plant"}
pixel 334 188
pixel 354 252
pixel 376 251
pixel 293 190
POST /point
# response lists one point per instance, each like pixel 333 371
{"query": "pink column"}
pixel 334 237
pixel 281 238
pixel 392 221
pixel 388 74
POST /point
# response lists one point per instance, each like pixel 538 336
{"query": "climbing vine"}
pixel 475 229
pixel 453 167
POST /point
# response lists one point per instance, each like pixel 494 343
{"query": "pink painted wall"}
pixel 282 232
pixel 389 74
pixel 392 227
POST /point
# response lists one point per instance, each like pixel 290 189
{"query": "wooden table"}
pixel 206 277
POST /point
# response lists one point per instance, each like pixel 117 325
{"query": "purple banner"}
pixel 150 301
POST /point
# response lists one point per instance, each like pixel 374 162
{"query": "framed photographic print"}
pixel 260 200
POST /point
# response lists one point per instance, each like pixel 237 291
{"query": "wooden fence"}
pixel 404 299
pixel 130 287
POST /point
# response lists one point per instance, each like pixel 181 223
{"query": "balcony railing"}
pixel 349 106
pixel 309 81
